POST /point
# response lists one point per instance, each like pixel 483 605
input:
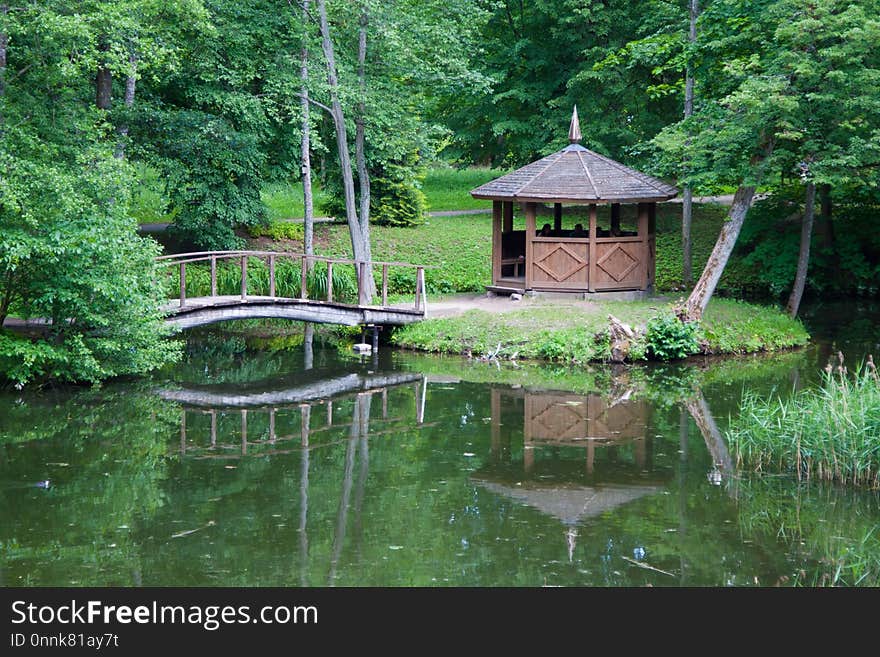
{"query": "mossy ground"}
pixel 578 333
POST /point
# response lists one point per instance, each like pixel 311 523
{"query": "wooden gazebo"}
pixel 580 258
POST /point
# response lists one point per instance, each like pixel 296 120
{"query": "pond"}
pixel 299 464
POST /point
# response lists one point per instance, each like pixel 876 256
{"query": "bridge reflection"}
pixel 301 419
pixel 323 395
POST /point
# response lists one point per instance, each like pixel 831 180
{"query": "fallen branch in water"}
pixel 646 566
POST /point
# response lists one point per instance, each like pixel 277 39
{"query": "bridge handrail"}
pixel 175 258
pixel 362 270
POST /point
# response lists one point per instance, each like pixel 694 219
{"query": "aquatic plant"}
pixel 831 432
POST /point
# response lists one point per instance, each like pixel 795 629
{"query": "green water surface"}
pixel 298 466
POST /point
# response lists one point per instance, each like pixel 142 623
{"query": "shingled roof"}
pixel 576 174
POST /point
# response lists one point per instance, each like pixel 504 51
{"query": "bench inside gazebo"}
pixel 582 257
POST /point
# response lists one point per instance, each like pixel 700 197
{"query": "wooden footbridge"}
pixel 259 298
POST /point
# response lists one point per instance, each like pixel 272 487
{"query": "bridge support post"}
pixel 244 278
pixel 303 282
pixel 375 336
pixel 182 284
pixel 271 276
pixel 213 276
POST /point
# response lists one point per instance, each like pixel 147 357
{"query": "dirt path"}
pixel 460 304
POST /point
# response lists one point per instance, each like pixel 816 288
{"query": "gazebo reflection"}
pixel 555 425
pixel 562 419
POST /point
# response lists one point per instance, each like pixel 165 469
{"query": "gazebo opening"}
pixel 589 223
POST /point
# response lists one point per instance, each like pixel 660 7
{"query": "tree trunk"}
pixel 4 42
pixel 687 273
pixel 705 287
pixel 103 80
pixel 687 269
pixel 360 142
pixel 705 421
pixel 360 137
pixel 305 156
pixel 800 279
pixel 825 228
pixel 130 83
pixel 357 239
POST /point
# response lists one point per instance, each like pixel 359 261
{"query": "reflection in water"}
pixel 359 387
pixel 552 420
pixel 299 466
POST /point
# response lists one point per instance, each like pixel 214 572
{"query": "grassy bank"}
pixel 831 432
pixel 461 246
pixel 578 333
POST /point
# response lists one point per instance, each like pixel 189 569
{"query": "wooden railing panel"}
pixel 362 271
pixel 559 263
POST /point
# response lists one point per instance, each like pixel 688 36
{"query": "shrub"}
pixel 278 230
pixel 396 198
pixel 668 338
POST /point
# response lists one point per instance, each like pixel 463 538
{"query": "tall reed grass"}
pixel 830 433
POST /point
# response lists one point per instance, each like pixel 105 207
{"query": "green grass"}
pixel 459 247
pixel 579 333
pixel 829 433
pixel 449 189
pixel 445 189
pixel 284 200
pixel 736 327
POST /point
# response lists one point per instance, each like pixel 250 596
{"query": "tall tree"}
pixel 800 279
pixel 359 246
pixel 687 275
pixel 305 140
pixel 68 247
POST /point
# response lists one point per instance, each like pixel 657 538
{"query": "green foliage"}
pixel 396 198
pixel 214 174
pixel 278 230
pixel 830 433
pixel 766 255
pixel 69 254
pixel 149 197
pixel 542 58
pixel 668 338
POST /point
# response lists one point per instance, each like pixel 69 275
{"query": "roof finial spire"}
pixel 574 131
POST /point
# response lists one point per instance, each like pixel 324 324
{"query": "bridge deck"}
pixel 198 311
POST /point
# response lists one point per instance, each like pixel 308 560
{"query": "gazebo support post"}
pixel 508 217
pixel 557 218
pixel 496 242
pixel 652 245
pixel 530 236
pixel 644 238
pixel 594 232
pixel 615 219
